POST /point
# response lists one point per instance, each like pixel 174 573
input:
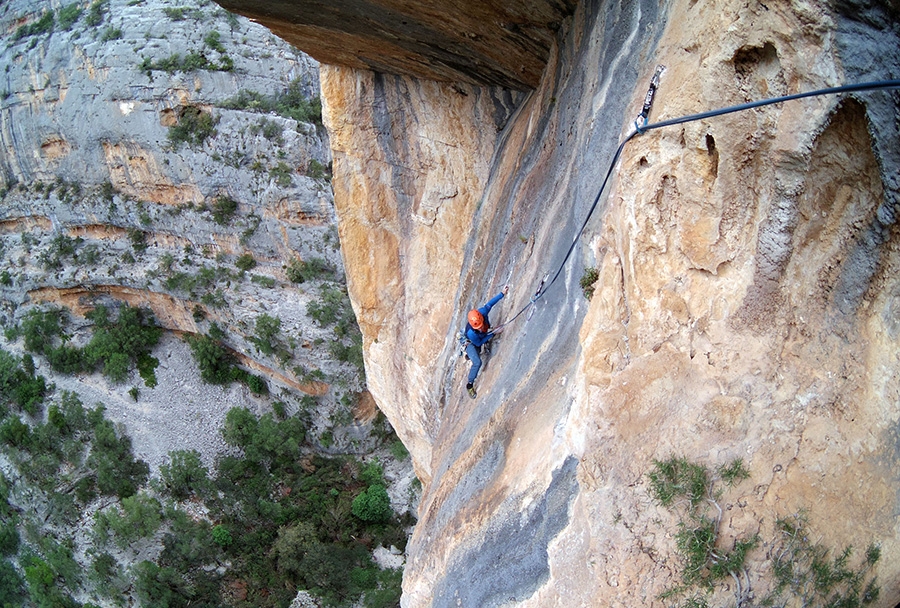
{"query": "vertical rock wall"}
pixel 409 183
pixel 746 305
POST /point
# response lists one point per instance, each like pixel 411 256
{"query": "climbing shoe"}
pixel 471 390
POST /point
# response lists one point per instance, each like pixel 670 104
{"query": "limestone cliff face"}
pixel 746 305
pixel 88 162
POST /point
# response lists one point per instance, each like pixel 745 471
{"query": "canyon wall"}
pixel 105 201
pixel 745 307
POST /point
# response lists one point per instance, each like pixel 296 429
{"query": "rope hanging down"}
pixel 641 126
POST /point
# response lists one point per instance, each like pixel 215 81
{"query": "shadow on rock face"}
pixel 510 563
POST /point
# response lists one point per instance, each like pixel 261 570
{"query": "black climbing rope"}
pixel 641 126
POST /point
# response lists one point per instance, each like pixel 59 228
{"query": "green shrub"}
pixel 96 13
pixel 12 586
pixel 290 103
pixel 181 13
pixel 44 25
pixel 193 128
pixel 810 572
pixel 587 281
pixel 61 247
pixel 138 238
pixel 257 385
pixel 108 577
pixel 217 365
pixel 387 595
pixel 139 517
pixel 112 459
pixel 213 41
pixel 161 586
pixel 41 328
pixel 111 33
pixel 316 170
pixel 222 536
pixel 264 281
pixel 116 345
pixel 678 478
pixel 15 433
pixel 185 474
pixel 68 15
pixel 373 505
pixel 268 329
pixel 372 473
pixel 9 537
pixel 282 174
pixel 224 210
pixel 245 262
pixel 399 451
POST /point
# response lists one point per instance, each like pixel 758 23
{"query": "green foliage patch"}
pixel 44 25
pixel 116 346
pixel 290 103
pixel 809 574
pixel 224 210
pixel 300 271
pixel 68 15
pixel 588 281
pixel 192 128
pixel 805 573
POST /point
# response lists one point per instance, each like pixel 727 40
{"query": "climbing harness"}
pixel 641 126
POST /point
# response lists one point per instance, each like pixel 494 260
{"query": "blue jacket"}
pixel 478 338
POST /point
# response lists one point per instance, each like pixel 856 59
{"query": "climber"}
pixel 477 334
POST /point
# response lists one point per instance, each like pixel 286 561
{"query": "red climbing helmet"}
pixel 476 320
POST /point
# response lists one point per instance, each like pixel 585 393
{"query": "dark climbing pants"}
pixel 474 354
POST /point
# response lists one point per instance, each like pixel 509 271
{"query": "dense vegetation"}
pixel 280 517
pixel 116 346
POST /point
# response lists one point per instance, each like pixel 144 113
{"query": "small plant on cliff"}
pixel 268 329
pixel 678 483
pixel 193 127
pixel 138 239
pixel 804 573
pixel 291 103
pixel 317 170
pixel 96 13
pixel 44 25
pixel 224 210
pixel 68 15
pixel 813 576
pixel 588 279
pixel 245 262
pixel 282 174
pixel 300 271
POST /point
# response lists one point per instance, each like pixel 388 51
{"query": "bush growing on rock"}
pixel 185 474
pixel 373 505
pixel 224 210
pixel 193 128
pixel 44 25
pixel 267 330
pixel 290 103
pixel 116 470
pixel 139 517
pixel 68 15
pixel 216 363
pixel 245 262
